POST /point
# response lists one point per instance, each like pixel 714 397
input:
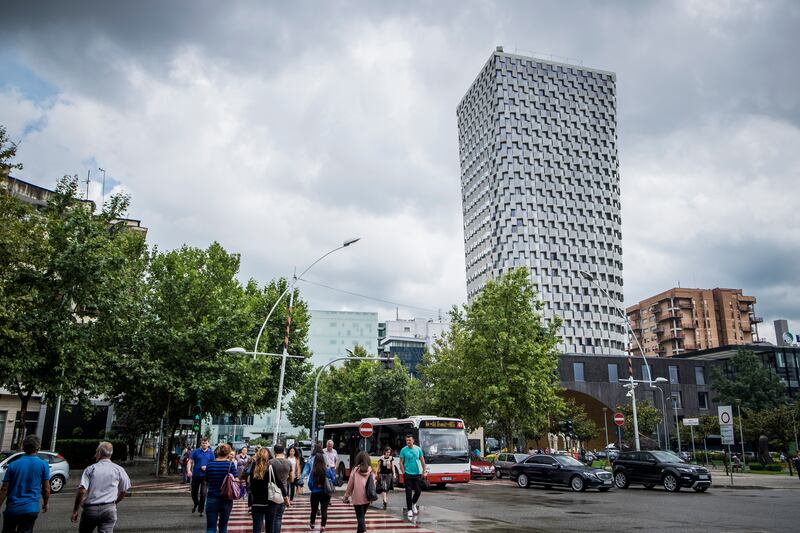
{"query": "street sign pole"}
pixel 694 454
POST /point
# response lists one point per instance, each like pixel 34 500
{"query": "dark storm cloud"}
pixel 346 112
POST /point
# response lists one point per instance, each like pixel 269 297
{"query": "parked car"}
pixel 478 468
pixel 59 467
pixel 659 468
pixel 560 470
pixel 589 458
pixel 504 461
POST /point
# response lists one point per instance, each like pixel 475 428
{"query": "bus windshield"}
pixel 444 445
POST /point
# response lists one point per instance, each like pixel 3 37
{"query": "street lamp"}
pixel 663 409
pixel 605 423
pixel 285 354
pixel 677 427
pixel 316 385
pixel 104 184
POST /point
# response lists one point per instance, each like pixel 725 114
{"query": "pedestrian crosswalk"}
pixel 341 518
pixel 159 488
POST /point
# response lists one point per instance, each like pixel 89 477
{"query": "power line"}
pixel 396 304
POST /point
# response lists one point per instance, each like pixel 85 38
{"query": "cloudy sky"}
pixel 280 129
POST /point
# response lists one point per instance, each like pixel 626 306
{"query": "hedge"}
pixel 80 452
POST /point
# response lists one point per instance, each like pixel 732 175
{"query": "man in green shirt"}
pixel 412 466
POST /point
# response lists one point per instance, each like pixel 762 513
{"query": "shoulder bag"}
pixel 274 493
pixel 330 486
pixel 230 490
pixel 370 490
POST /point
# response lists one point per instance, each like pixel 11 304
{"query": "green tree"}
pixel 64 274
pixel 750 381
pixel 647 416
pixel 501 346
pixel 8 151
pixel 777 423
pixel 352 391
pixel 583 427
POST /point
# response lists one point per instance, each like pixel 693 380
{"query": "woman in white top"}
pixel 294 457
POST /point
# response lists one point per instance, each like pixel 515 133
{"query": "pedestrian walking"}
pixel 307 467
pixel 320 497
pixel 243 461
pixel 412 466
pixel 295 457
pixel 103 485
pixel 218 509
pixel 281 467
pixel 258 478
pixel 26 481
pixel 796 461
pixel 331 457
pixel 184 464
pixel 196 470
pixel 356 491
pixel 387 469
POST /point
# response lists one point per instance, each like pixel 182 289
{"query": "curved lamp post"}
pixel 290 290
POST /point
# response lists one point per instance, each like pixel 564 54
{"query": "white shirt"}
pixel 330 457
pixel 103 481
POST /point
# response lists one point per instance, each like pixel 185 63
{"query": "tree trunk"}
pixel 24 398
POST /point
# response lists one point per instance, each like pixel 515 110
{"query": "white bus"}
pixel 443 442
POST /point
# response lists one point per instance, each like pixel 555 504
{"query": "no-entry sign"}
pixel 619 419
pixel 365 430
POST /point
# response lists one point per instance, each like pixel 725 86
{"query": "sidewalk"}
pixel 755 481
pixel 140 470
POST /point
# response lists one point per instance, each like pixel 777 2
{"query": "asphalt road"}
pixel 499 506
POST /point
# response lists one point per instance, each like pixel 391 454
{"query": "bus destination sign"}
pixel 442 424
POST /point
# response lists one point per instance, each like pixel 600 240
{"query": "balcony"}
pixel 659 331
pixel 756 319
pixel 668 317
pixel 685 305
pixel 673 335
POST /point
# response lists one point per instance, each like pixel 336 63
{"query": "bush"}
pixel 756 467
pixel 773 468
pixel 80 452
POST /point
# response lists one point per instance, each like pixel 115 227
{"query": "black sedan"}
pixel 560 470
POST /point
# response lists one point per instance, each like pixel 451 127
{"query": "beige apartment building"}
pixel 684 320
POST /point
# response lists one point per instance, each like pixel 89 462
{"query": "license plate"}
pixel 447 478
pixel 702 476
pixel 607 482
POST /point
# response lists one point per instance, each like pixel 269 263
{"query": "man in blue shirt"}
pixel 412 466
pixel 27 480
pixel 196 470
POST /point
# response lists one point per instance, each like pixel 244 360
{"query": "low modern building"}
pixel 332 333
pixel 408 340
pixel 683 320
pixel 10 415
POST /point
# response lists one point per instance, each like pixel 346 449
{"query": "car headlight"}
pixel 685 470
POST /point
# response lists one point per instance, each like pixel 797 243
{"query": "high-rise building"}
pixel 408 340
pixel 540 189
pixel 683 320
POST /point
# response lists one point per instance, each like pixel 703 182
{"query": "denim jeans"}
pixel 277 517
pixel 260 514
pixel 19 523
pixel 361 517
pixel 199 492
pixel 217 509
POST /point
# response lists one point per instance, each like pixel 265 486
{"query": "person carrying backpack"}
pixel 359 490
pixel 321 490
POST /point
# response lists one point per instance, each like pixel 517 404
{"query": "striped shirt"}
pixel 216 472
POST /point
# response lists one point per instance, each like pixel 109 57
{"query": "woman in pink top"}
pixel 357 489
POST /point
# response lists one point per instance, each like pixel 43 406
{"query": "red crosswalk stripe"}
pixel 341 518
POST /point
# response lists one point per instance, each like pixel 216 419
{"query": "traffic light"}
pixel 320 419
pixel 568 427
pixel 197 410
pixel 388 363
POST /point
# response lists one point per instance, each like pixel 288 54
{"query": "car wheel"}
pixel 700 489
pixel 577 484
pixel 522 481
pixel 57 483
pixel 621 480
pixel 649 485
pixel 671 483
pixel 498 473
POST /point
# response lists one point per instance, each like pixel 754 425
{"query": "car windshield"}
pixel 667 457
pixel 566 460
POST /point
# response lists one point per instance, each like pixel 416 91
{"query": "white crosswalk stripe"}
pixel 341 518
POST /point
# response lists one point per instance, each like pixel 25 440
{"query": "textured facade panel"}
pixel 540 188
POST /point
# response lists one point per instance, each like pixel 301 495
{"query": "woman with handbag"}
pixel 322 484
pixel 218 508
pixel 361 489
pixel 295 458
pixel 265 491
pixel 387 469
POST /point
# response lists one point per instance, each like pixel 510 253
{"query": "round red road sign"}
pixel 365 430
pixel 619 419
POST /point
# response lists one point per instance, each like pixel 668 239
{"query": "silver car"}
pixel 59 467
pixel 504 461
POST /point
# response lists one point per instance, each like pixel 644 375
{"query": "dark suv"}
pixel 659 468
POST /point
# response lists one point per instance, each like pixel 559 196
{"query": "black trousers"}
pixel 361 516
pixel 413 485
pixel 319 501
pixel 19 523
pixel 199 492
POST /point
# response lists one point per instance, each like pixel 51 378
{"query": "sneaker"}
pixel 411 514
pixel 416 509
pixel 194 509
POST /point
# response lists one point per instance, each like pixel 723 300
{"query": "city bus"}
pixel 443 442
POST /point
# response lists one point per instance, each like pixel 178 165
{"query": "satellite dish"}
pixel 788 338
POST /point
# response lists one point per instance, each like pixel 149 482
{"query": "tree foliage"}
pixel 498 363
pixel 647 416
pixel 583 427
pixel 750 381
pixel 352 391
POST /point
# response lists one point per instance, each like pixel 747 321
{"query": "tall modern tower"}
pixel 540 189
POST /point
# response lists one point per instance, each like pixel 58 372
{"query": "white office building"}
pixel 332 333
pixel 540 189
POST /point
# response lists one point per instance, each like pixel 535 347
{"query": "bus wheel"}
pixel 341 472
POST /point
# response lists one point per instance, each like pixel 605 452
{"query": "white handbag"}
pixel 274 493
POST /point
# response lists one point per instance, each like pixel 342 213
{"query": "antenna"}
pixel 88 173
